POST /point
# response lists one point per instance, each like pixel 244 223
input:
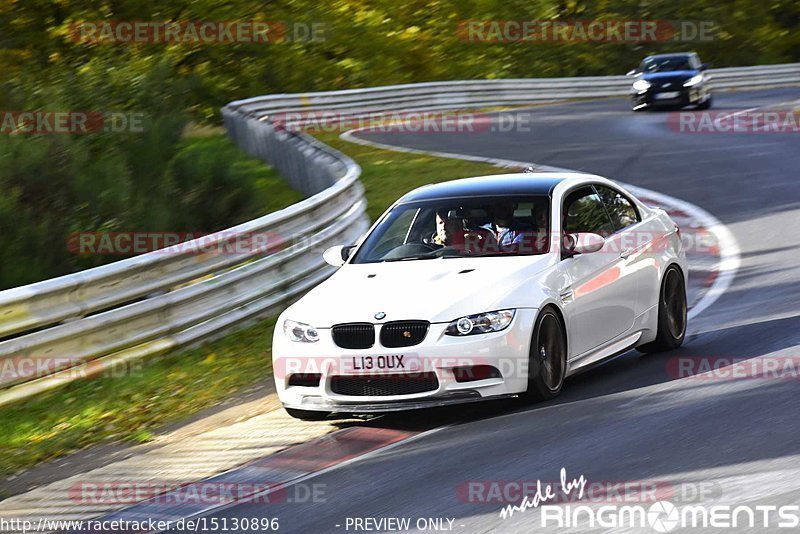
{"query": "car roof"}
pixel 498 185
pixel 673 54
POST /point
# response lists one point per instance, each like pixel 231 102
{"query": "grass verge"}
pixel 173 387
pixel 131 407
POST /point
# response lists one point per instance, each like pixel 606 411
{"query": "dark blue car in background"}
pixel 671 80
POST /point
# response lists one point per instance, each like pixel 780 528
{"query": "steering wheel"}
pixel 409 249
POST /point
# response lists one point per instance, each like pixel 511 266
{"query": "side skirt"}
pixel 603 355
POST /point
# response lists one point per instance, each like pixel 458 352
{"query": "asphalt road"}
pixel 629 420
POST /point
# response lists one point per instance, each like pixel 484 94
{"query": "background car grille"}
pixel 385 385
pixel 403 333
pixel 354 335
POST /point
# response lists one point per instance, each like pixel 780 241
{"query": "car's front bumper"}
pixel 507 351
pixel 325 405
pixel 678 97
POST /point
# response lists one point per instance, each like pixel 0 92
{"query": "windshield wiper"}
pixel 439 253
pixel 493 254
pixel 416 257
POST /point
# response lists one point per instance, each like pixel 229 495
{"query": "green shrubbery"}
pixel 57 186
pixel 147 177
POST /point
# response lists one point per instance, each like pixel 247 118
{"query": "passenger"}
pixel 507 230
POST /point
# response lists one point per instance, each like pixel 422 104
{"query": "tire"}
pixel 307 415
pixel 547 363
pixel 707 104
pixel 672 313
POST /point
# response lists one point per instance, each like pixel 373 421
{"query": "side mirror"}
pixel 705 66
pixel 583 243
pixel 338 255
pixel 586 243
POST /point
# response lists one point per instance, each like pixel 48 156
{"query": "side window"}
pixel 622 212
pixel 584 211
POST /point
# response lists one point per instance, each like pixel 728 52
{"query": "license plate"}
pixel 667 96
pixel 389 363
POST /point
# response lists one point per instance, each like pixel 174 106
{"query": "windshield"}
pixel 465 227
pixel 665 64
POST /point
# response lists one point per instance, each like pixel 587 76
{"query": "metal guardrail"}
pixel 83 323
pixel 489 93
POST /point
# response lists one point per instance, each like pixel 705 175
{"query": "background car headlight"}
pixel 481 323
pixel 694 80
pixel 300 332
pixel 641 85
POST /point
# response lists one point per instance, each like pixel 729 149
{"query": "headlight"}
pixel 694 80
pixel 300 332
pixel 641 85
pixel 481 323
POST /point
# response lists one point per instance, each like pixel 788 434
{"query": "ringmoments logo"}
pixel 663 516
pixel 641 515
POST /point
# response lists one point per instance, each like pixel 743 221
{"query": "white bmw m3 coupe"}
pixel 483 288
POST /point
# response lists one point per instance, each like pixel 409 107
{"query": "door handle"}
pixel 627 253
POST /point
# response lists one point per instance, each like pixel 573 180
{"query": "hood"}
pixel 437 290
pixel 671 76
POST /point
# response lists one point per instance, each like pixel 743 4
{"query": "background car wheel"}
pixel 707 103
pixel 547 363
pixel 672 313
pixel 307 415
